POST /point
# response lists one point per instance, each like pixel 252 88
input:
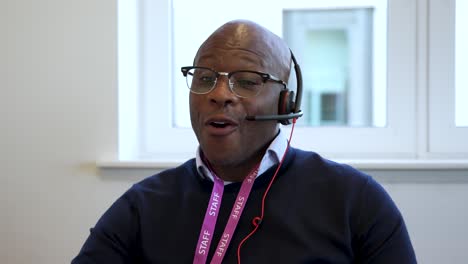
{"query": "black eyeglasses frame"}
pixel 265 76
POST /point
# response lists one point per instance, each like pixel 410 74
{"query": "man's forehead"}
pixel 247 57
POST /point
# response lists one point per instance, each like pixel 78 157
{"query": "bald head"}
pixel 269 49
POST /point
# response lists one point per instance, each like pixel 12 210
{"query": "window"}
pixel 361 104
pixel 354 29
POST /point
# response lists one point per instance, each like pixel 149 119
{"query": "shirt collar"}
pixel 272 156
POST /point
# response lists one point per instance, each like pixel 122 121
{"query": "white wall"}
pixel 58 113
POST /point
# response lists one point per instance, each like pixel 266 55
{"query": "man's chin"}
pixel 221 158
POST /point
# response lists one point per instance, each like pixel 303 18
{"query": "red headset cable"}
pixel 258 219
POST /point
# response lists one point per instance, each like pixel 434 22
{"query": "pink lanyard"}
pixel 211 215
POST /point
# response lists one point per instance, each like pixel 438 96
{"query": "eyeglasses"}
pixel 201 80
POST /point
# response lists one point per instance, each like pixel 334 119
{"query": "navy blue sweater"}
pixel 317 211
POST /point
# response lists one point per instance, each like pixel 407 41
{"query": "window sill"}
pixel 365 164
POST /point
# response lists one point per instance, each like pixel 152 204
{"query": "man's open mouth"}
pixel 218 124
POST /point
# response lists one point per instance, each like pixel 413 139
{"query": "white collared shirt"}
pixel 272 156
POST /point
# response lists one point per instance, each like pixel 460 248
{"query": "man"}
pixel 248 197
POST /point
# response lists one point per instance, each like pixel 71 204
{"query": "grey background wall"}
pixel 58 105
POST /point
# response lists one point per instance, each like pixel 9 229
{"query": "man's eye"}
pixel 206 78
pixel 248 83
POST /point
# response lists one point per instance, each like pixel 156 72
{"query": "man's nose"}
pixel 222 93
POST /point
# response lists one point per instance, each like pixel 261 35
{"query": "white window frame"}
pixel 146 100
pixel 445 139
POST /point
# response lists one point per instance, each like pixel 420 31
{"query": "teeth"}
pixel 219 124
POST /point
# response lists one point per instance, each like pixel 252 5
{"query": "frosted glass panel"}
pixel 336 50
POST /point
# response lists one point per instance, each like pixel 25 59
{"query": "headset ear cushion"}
pixel 286 102
pixel 286 105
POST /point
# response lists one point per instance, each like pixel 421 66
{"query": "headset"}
pixel 289 106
